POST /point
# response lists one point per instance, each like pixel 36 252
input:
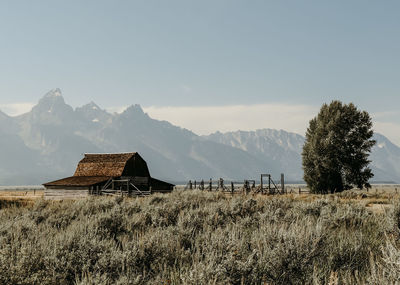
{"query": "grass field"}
pixel 193 237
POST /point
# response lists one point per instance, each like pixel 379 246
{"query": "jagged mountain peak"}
pixel 52 98
pixel 258 132
pixel 93 113
pixel 384 144
pixel 133 111
pixel 274 131
pixel 54 93
pixel 262 132
pixel 89 106
pixel 277 146
pixel 261 138
pixel 93 105
pixel 134 108
pixel 51 109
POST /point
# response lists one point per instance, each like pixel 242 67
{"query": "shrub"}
pixel 197 238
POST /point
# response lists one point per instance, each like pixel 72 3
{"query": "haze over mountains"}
pixel 47 142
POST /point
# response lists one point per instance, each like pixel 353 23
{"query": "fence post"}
pixel 269 183
pixel 221 184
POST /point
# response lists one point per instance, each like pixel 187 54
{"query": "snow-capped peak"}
pixel 53 97
pixel 52 102
pixel 53 93
pixel 90 106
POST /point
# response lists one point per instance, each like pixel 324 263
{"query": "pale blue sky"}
pixel 203 53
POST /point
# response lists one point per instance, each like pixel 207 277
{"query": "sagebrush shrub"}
pixel 193 237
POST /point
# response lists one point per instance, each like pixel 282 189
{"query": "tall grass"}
pixel 198 238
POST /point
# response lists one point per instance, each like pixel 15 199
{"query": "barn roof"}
pixel 78 181
pixel 111 165
pixel 98 168
pixel 154 180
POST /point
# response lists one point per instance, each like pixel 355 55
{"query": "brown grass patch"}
pixel 21 195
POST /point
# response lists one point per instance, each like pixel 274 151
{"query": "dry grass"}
pixel 21 194
pixel 195 237
pixel 378 200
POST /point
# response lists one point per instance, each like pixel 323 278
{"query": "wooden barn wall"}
pixel 136 166
pixel 142 183
pixel 65 187
pixel 140 180
pixel 157 185
pixel 63 194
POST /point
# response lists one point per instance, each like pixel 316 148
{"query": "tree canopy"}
pixel 336 151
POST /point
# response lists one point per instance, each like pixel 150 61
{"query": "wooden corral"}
pixel 111 174
pixel 266 186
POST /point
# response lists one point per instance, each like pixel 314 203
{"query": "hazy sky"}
pixel 197 57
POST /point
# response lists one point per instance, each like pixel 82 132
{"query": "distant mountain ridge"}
pixel 278 147
pixel 285 148
pixel 47 143
pixel 53 136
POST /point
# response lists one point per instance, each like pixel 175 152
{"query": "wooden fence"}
pixel 266 186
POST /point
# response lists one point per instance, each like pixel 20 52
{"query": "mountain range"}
pixel 47 143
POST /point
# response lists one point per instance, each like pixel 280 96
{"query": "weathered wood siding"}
pixel 161 186
pixel 139 180
pixel 136 166
pixel 64 194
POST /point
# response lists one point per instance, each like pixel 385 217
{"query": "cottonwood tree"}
pixel 336 151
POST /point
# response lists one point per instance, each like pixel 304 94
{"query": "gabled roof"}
pixel 111 165
pixel 78 181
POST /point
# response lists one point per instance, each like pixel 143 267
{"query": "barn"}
pixel 111 174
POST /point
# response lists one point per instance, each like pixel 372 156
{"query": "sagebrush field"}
pixel 193 237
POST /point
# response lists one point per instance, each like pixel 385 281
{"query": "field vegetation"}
pixel 193 237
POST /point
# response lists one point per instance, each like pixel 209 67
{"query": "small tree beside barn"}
pixel 114 174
